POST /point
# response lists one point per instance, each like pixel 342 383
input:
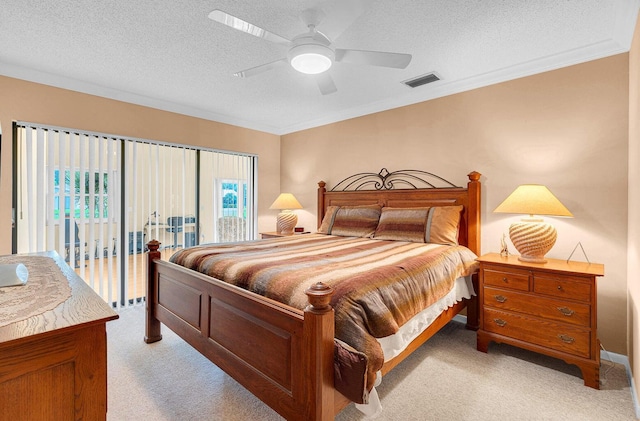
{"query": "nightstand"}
pixel 548 308
pixel 273 234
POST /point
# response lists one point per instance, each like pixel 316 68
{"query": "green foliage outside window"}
pixel 230 199
pixel 82 194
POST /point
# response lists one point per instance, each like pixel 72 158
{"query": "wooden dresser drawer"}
pixel 558 310
pixel 571 288
pixel 507 279
pixel 558 336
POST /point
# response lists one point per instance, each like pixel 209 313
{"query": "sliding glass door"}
pixel 159 204
pixel 97 200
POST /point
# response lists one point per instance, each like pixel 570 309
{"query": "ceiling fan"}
pixel 311 52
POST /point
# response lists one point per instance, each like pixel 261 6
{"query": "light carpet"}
pixel 445 379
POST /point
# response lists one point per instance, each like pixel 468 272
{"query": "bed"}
pixel 297 371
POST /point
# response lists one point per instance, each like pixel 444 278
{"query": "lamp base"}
pixel 533 239
pixel 286 222
pixel 532 259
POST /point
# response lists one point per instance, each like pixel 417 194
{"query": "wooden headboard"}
pixel 409 188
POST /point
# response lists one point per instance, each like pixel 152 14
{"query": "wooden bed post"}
pixel 318 337
pixel 152 325
pixel 473 239
pixel 321 192
pixel 473 224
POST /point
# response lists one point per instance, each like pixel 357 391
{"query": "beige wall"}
pixel 32 102
pixel 633 266
pixel 567 129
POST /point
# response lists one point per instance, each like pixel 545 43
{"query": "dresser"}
pixel 53 344
pixel 550 308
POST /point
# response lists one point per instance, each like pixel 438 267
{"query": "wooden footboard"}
pixel 282 355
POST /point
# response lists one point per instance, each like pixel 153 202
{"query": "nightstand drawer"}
pixel 558 336
pixel 572 288
pixel 558 310
pixel 512 279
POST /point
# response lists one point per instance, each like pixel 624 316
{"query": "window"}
pixel 234 202
pixel 91 198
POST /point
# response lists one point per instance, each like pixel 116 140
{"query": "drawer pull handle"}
pixel 505 280
pixel 500 322
pixel 560 288
pixel 566 339
pixel 566 311
pixel 500 298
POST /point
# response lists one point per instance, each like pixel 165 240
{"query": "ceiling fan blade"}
pixel 260 69
pixel 339 15
pixel 244 26
pixel 325 83
pixel 373 58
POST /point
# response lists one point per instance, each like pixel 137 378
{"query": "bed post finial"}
pixel 319 297
pixel 153 245
pixel 474 176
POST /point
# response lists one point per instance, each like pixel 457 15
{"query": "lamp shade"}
pixel 287 220
pixel 533 199
pixel 286 201
pixel 532 237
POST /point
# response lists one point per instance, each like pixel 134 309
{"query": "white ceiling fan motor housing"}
pixel 311 53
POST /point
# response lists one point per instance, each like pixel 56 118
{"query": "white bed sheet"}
pixel 394 344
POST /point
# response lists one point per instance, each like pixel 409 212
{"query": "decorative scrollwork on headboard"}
pixel 385 180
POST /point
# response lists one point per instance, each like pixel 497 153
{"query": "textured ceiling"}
pixel 167 54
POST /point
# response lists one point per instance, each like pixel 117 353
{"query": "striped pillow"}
pixel 402 224
pixel 437 225
pixel 354 221
pixel 327 219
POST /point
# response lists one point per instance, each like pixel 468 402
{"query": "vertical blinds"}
pixel 68 200
pixel 97 199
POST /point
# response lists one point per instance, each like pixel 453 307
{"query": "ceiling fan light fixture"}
pixel 311 59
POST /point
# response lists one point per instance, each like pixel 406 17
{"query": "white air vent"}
pixel 421 80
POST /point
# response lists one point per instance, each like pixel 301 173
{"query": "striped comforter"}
pixel 379 285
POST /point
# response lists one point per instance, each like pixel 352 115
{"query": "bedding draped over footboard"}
pixel 379 285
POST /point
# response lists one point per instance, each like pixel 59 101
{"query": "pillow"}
pixel 327 220
pixel 443 224
pixel 402 224
pixel 355 221
pixel 439 224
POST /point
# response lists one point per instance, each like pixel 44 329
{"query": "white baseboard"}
pixel 460 318
pixel 624 360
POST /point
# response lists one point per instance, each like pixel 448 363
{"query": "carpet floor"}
pixel 445 379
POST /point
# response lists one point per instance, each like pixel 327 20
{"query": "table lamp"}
pixel 532 237
pixel 287 220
